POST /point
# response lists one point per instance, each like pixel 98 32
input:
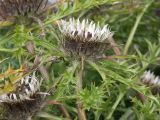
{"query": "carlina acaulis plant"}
pixel 23 102
pixel 23 11
pixel 84 38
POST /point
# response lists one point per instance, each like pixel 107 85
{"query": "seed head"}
pixel 17 9
pixel 21 110
pixel 84 38
pixel 24 101
pixel 26 88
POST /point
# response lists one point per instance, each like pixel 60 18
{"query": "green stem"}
pixel 121 95
pixel 81 111
pixel 133 31
pixel 8 50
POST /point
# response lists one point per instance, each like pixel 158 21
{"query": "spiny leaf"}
pixel 10 77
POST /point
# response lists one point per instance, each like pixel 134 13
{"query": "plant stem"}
pixel 64 111
pixel 41 68
pixel 115 47
pixel 133 31
pixel 115 105
pixel 81 111
pixel 141 97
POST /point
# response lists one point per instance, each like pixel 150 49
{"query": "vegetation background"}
pixel 111 87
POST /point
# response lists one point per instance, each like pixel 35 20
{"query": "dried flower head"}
pixel 21 110
pixel 151 80
pixel 24 101
pixel 17 9
pixel 84 38
pixel 25 89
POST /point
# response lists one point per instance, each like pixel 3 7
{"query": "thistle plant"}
pixel 100 76
pixel 83 40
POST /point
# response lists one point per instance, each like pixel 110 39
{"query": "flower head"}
pixel 84 38
pixel 24 101
pixel 151 80
pixel 26 88
pixel 12 9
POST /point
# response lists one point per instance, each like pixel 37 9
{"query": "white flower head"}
pixel 84 37
pixel 26 88
pixel 150 79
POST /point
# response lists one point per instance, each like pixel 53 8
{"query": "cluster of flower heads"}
pixel 84 38
pixel 25 89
